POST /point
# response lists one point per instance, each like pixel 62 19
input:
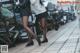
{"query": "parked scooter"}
pixel 53 18
pixel 56 19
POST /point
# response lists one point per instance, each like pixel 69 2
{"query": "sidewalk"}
pixel 65 40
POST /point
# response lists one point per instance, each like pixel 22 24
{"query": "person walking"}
pixel 41 13
pixel 25 12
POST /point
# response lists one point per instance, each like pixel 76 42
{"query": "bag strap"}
pixel 41 2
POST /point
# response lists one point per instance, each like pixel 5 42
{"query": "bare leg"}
pixel 25 24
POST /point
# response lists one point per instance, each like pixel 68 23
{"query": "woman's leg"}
pixel 31 33
pixel 25 24
pixel 44 29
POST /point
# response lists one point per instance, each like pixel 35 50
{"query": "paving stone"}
pixel 62 41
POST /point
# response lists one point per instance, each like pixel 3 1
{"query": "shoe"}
pixel 30 44
pixel 32 37
pixel 39 41
pixel 44 41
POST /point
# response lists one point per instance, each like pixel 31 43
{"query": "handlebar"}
pixel 7 2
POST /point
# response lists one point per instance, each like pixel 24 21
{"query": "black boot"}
pixel 30 44
pixel 39 41
pixel 45 40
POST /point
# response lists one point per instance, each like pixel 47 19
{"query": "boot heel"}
pixel 30 44
pixel 39 41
